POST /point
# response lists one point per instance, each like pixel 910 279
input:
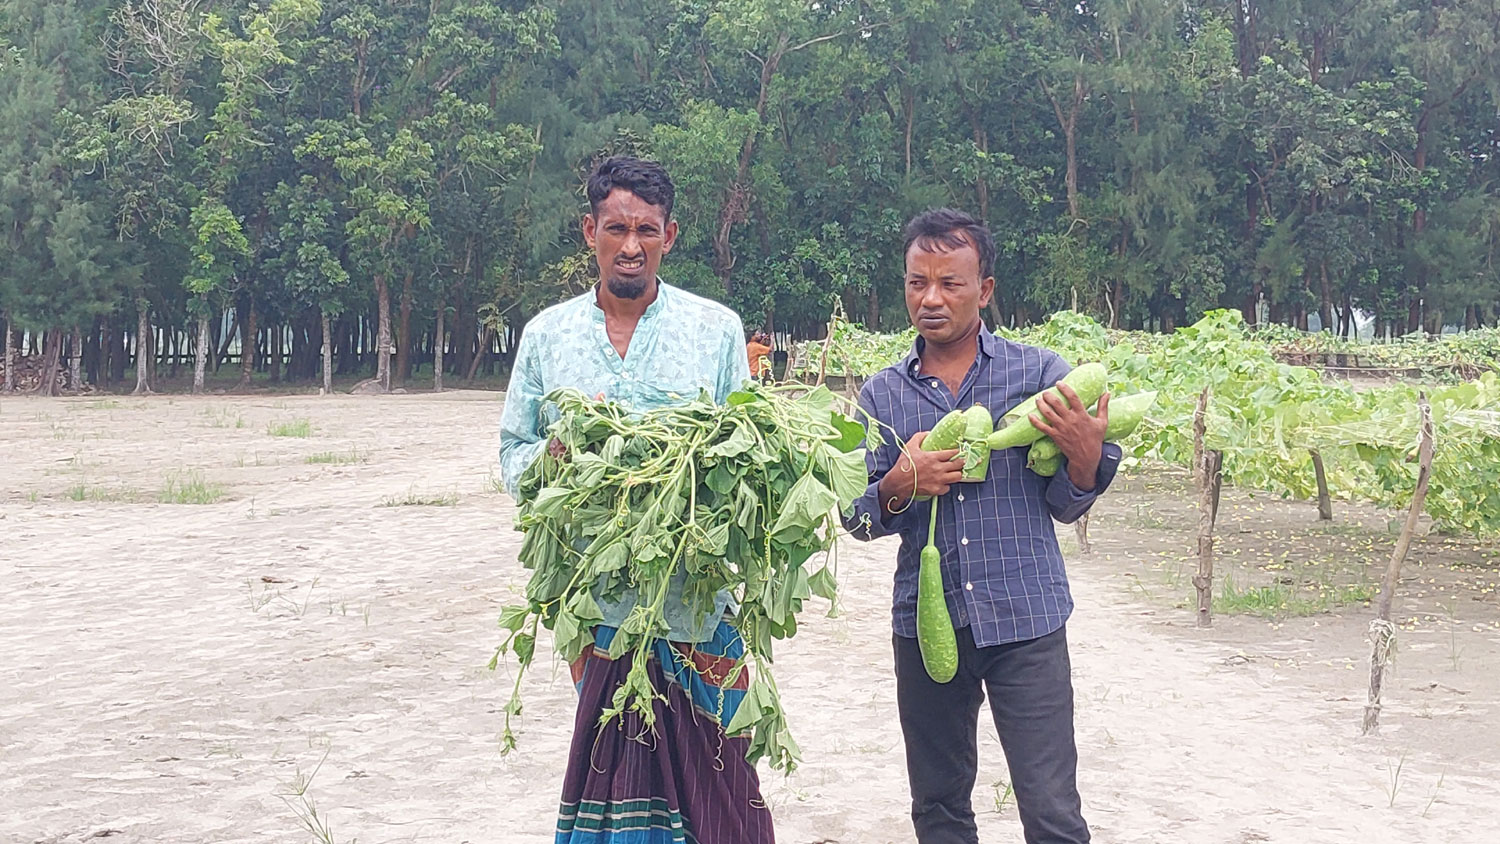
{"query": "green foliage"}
pixel 1148 162
pixel 738 497
pixel 1266 415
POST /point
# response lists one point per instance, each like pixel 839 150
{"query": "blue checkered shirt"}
pixel 1003 572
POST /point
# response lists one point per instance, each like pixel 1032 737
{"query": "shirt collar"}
pixel 663 290
pixel 989 347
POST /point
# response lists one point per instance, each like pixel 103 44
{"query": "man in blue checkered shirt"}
pixel 1003 577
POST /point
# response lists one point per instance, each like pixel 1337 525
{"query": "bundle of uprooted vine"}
pixel 739 496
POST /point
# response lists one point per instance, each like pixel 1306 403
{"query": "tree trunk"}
pixel 1419 223
pixel 116 342
pixel 404 339
pixel 52 355
pixel 467 324
pixel 249 341
pixel 327 355
pixel 1251 308
pixel 340 340
pixel 91 353
pixel 383 338
pixel 1325 304
pixel 1068 122
pixel 1081 528
pixel 298 344
pixel 200 354
pixel 10 357
pixel 1434 322
pixel 75 360
pixel 223 356
pixel 484 347
pixel 438 339
pixel 142 347
pixel 1382 631
pixel 278 338
pixel 1117 296
pixel 736 203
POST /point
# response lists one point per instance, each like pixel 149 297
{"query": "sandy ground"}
pixel 316 641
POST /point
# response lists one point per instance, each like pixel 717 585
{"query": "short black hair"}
pixel 944 229
pixel 646 179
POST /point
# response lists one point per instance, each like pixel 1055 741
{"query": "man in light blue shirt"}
pixel 636 340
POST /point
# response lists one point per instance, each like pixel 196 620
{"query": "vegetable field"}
pixel 314 639
pixel 1267 416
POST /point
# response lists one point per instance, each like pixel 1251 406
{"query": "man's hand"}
pixel 1079 435
pixel 919 473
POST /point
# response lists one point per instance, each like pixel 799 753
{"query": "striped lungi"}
pixel 685 782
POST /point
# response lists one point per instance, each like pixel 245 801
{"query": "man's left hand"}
pixel 1080 436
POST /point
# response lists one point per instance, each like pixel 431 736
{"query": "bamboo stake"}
pixel 1382 631
pixel 1208 467
pixel 1325 504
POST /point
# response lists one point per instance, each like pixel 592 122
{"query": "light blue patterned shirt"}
pixel 682 344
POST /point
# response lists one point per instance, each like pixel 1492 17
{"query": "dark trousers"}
pixel 1030 688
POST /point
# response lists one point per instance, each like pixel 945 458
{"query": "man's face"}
pixel 944 291
pixel 629 236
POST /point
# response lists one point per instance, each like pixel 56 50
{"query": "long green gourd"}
pixel 1125 415
pixel 1088 381
pixel 935 636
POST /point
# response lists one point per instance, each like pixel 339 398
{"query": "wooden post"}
pixel 1382 631
pixel 1081 527
pixel 823 361
pixel 1208 470
pixel 1199 427
pixel 1325 505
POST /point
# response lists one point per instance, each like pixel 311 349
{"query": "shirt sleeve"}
pixel 1066 501
pixel 734 363
pixel 868 520
pixel 521 428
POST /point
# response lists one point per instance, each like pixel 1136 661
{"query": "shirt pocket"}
pixel 666 388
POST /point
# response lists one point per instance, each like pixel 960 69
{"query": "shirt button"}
pixel 964 541
pixel 960 496
pixel 969 586
pixel 934 383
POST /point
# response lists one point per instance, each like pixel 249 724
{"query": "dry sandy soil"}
pixel 315 641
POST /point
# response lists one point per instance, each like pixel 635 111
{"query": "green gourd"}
pixel 936 638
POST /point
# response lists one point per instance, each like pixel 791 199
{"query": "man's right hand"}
pixel 934 473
